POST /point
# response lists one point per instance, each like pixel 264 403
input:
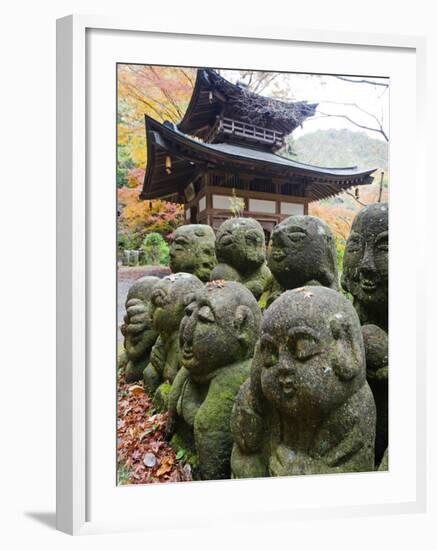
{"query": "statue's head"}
pixel 220 327
pixel 302 249
pixel 141 289
pixel 169 297
pixel 193 251
pixel 365 262
pixel 138 305
pixel 310 355
pixel 241 244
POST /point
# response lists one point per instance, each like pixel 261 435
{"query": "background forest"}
pixel 164 94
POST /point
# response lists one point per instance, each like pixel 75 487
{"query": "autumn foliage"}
pixel 163 93
pixel 160 92
pixel 339 212
pixel 138 217
pixel 143 454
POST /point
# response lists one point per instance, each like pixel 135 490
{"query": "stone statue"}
pixel 169 298
pixel 139 336
pixel 307 408
pixel 376 346
pixel 365 265
pixel 365 276
pixel 193 251
pixel 302 252
pixel 241 253
pixel 218 336
pixel 383 466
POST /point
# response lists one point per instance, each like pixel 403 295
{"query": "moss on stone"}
pixel 307 408
pixel 160 399
pixel 193 251
pixel 218 337
pixel 241 253
pixel 301 253
pixel 182 441
pixel 383 467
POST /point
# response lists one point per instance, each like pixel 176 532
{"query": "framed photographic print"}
pixel 230 335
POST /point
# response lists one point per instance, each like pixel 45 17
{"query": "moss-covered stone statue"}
pixel 307 408
pixel 365 276
pixel 302 252
pixel 383 466
pixel 168 301
pixel 139 335
pixel 241 253
pixel 218 336
pixel 365 265
pixel 193 251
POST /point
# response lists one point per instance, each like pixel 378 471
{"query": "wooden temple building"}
pixel 228 140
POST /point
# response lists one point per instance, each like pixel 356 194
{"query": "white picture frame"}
pixel 76 313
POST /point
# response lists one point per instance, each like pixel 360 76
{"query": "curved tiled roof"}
pixel 164 139
pixel 213 95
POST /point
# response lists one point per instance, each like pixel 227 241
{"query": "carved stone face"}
pixel 311 353
pixel 169 297
pixel 193 251
pixel 241 244
pixel 302 249
pixel 220 327
pixel 365 263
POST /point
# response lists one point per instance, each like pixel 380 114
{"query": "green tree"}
pixel 156 250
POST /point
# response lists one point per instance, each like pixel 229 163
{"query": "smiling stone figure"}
pixel 193 251
pixel 302 252
pixel 365 265
pixel 168 299
pixel 365 276
pixel 307 408
pixel 241 253
pixel 218 335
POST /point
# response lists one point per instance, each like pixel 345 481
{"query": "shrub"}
pixel 156 250
pixel 340 245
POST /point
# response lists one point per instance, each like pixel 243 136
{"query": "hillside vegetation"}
pixel 340 148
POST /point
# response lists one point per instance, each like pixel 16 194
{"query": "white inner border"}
pixel 203 502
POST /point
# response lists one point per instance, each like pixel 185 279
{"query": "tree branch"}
pixel 361 81
pixel 363 126
pixel 355 198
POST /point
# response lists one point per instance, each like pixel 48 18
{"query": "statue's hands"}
pixel 157 356
pixel 381 374
pixel 136 318
pixel 376 346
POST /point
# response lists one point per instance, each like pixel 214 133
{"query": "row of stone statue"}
pixel 299 388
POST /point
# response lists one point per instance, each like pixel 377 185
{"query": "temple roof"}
pixel 213 95
pixel 188 154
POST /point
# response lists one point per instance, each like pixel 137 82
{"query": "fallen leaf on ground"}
pixel 141 431
pixel 166 465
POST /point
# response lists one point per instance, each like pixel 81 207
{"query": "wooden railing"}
pixel 246 131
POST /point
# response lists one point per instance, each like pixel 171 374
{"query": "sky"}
pixel 332 94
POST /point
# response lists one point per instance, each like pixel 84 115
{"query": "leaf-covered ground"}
pixel 144 456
